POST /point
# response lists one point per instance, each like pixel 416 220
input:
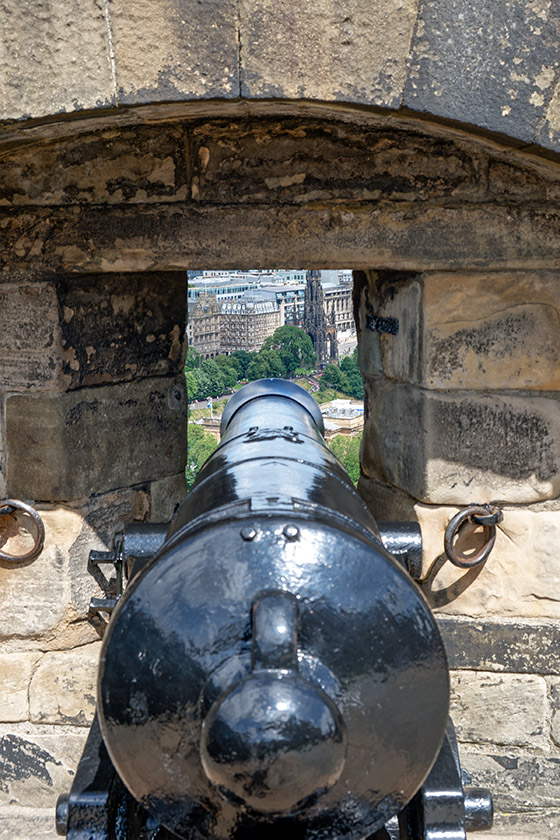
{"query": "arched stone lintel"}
pixel 260 192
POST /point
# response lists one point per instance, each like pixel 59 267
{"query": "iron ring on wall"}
pixel 472 512
pixel 12 506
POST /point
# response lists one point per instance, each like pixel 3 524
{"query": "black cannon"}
pixel 271 670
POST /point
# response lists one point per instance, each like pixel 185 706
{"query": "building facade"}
pixel 338 307
pixel 204 325
pixel 223 326
pixel 246 324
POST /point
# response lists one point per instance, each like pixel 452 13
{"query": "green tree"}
pixel 216 382
pixel 203 384
pixel 333 378
pixel 354 382
pixel 266 363
pixel 193 359
pixel 244 358
pixel 347 450
pixel 200 445
pixel 230 372
pixel 294 347
pixel 229 362
pixel 192 387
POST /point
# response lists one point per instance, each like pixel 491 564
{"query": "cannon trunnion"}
pixel 272 671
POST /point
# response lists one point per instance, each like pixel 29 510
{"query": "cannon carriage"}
pixel 271 669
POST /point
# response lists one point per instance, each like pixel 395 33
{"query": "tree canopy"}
pixel 345 377
pixel 200 445
pixel 294 348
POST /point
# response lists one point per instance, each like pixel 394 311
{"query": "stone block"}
pixel 521 577
pixel 37 763
pixel 55 58
pixel 99 439
pixel 46 601
pixel 555 709
pixel 491 331
pixel 18 823
pixel 522 646
pixel 63 688
pixel 35 595
pixel 15 676
pixel 415 236
pixel 113 166
pixel 453 449
pixel 522 826
pixel 3 490
pixel 356 52
pixel 443 342
pixel 102 517
pixel 505 709
pixel 165 497
pixel 484 65
pixel 169 51
pixel 118 327
pixel 28 335
pixel 396 295
pixel 525 787
pixel 305 160
pixel 386 503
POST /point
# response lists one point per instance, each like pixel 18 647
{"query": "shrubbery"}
pixel 286 352
pixel 345 377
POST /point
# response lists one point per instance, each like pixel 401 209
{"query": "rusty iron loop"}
pixel 12 506
pixel 477 514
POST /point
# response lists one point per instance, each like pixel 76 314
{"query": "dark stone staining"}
pixel 517 647
pixel 21 759
pixel 106 166
pixel 518 182
pixel 298 160
pixel 516 443
pixel 394 454
pixel 119 327
pixel 491 81
pixel 496 337
pixel 360 294
pixel 519 783
pixel 78 412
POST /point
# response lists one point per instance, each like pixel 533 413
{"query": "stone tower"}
pixel 314 318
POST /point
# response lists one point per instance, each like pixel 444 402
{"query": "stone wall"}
pixel 456 236
pixel 91 376
pixel 462 406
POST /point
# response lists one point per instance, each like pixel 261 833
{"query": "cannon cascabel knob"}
pixel 273 740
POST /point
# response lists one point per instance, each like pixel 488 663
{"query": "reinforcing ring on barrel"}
pixel 487 516
pixel 11 506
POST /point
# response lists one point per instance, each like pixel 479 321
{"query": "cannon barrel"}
pixel 273 668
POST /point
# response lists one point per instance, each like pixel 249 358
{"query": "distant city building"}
pixel 225 288
pixel 246 323
pixel 215 329
pixel 338 307
pixel 219 326
pixel 343 417
pixel 291 296
pixel 204 325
